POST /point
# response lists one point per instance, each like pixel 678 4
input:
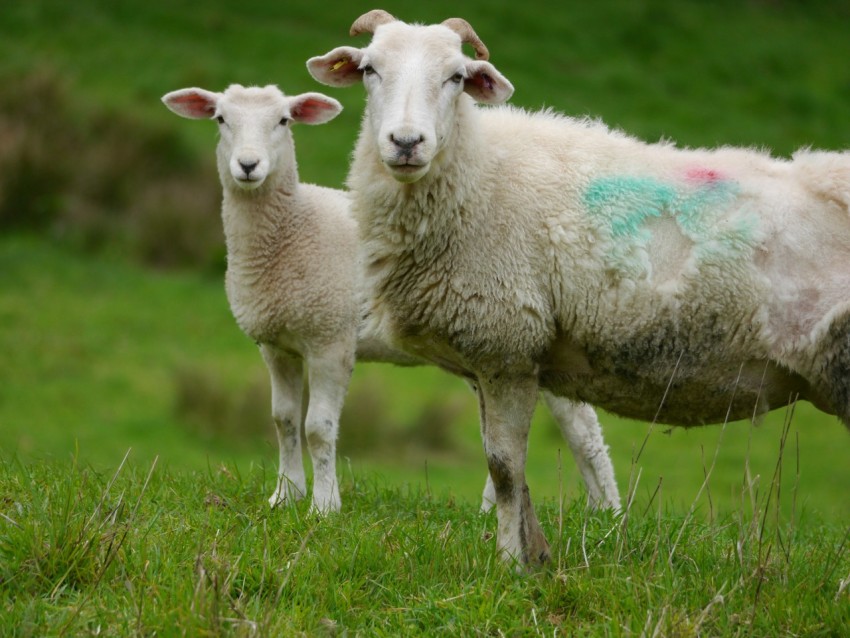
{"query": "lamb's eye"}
pixel 219 119
pixel 284 121
pixel 457 78
pixel 368 70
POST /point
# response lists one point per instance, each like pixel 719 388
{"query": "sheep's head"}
pixel 414 76
pixel 254 125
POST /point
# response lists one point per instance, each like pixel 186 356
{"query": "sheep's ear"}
pixel 340 67
pixel 196 104
pixel 313 108
pixel 485 84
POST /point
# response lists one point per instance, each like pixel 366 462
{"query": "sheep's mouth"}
pixel 408 172
pixel 406 167
pixel 249 182
pixel 406 163
pixel 403 159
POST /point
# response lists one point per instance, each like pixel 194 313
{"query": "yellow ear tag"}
pixel 339 64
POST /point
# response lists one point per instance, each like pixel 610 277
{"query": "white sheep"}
pixel 292 283
pixel 532 250
pixel 289 269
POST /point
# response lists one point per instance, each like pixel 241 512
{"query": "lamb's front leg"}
pixel 507 405
pixel 580 427
pixel 328 373
pixel 286 379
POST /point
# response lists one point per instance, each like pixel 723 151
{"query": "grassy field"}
pixel 144 551
pixel 101 353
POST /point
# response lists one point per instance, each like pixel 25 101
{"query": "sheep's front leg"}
pixel 580 427
pixel 286 378
pixel 507 406
pixel 328 375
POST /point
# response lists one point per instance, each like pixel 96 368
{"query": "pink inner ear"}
pixel 196 104
pixel 336 70
pixel 483 81
pixel 310 110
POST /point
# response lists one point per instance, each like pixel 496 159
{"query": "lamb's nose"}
pixel 248 167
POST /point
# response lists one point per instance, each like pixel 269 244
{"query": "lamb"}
pixel 274 227
pixel 293 280
pixel 527 250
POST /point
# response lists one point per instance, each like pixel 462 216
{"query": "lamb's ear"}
pixel 313 108
pixel 196 104
pixel 485 84
pixel 340 67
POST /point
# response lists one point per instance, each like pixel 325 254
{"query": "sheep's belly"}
pixel 684 389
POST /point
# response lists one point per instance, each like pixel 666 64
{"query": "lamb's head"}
pixel 255 140
pixel 415 76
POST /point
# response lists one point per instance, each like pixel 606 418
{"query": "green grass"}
pixel 91 350
pixel 147 551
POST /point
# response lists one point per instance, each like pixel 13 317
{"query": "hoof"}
pixel 325 506
pixel 285 494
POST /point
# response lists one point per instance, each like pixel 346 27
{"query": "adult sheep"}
pixel 293 280
pixel 527 250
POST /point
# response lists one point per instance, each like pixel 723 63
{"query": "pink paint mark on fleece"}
pixel 704 175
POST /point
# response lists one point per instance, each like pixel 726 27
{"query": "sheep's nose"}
pixel 406 142
pixel 248 167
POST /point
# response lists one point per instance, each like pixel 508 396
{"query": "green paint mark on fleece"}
pixel 625 203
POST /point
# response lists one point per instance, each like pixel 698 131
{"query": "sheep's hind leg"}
pixel 835 368
pixel 506 410
pixel 580 427
pixel 488 498
pixel 286 380
pixel 328 376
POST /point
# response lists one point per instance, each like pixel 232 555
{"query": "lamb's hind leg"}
pixel 506 410
pixel 286 380
pixel 328 375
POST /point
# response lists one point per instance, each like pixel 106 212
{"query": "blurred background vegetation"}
pixel 114 329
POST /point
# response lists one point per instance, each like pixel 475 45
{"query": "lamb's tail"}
pixel 827 174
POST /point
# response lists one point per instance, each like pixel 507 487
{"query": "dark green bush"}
pixel 215 410
pixel 211 408
pixel 103 180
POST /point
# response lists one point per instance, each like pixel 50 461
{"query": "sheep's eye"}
pixel 368 70
pixel 219 119
pixel 457 78
pixel 284 121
